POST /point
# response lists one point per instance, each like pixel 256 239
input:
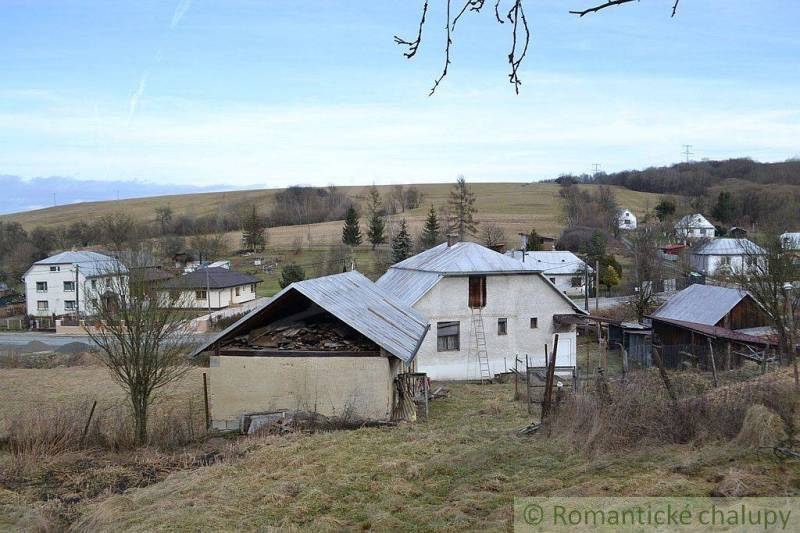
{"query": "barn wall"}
pixel 515 297
pixel 745 314
pixel 326 385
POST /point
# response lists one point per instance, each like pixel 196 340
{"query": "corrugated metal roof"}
pixel 359 303
pixel 550 262
pixel 694 221
pixel 727 247
pixel 408 285
pixel 90 263
pixel 213 278
pixel 700 304
pixel 460 258
pixel 718 332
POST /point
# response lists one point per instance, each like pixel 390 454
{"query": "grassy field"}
pixel 459 470
pixel 515 206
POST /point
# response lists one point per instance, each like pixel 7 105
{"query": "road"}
pixel 23 338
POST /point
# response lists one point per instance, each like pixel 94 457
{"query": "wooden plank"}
pixel 267 352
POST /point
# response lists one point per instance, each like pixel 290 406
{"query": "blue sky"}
pixel 268 93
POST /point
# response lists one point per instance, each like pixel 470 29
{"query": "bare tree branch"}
pixel 473 5
pixel 414 45
pixel 675 8
pixel 446 54
pixel 599 7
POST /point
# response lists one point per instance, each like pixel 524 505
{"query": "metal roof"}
pixel 408 285
pixel 700 304
pixel 90 263
pixel 694 221
pixel 359 303
pixel 791 239
pixel 727 247
pixel 718 332
pixel 461 258
pixel 212 278
pixel 550 262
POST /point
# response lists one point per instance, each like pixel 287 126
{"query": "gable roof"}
pixel 694 221
pixel 460 258
pixel 727 247
pixel 700 304
pixel 211 278
pixel 551 262
pixel 359 303
pixel 91 264
pixel 411 279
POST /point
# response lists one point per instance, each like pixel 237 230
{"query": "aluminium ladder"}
pixel 479 336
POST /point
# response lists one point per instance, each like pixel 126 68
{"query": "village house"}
pixel 791 241
pixel 332 345
pixel 723 256
pixel 214 288
pixel 69 283
pixel 695 227
pixel 626 219
pixel 684 325
pixel 485 310
pixel 563 269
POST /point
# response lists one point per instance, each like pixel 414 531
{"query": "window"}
pixel 94 283
pixel 502 326
pixel 69 286
pixel 447 336
pixel 69 305
pixel 238 290
pixel 534 322
pixel 253 288
pixel 41 305
pixel 703 232
pixel 200 295
pixel 41 286
pixel 477 291
pixel 55 269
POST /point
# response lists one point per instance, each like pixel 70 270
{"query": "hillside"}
pixel 515 206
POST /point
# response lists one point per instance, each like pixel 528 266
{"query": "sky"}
pixel 241 93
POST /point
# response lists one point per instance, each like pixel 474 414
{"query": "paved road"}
pixel 23 338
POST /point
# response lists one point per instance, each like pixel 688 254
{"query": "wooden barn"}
pixel 705 318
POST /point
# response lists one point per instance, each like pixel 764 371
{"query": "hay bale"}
pixel 761 427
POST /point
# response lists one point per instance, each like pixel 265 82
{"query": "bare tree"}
pixel 141 335
pixel 769 273
pixel 647 271
pixel 512 11
pixel 493 235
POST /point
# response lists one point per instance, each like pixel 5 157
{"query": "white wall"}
pixel 564 283
pixel 55 295
pixel 515 297
pixel 710 264
pixel 220 298
pixel 696 233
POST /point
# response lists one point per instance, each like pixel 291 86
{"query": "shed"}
pixel 332 345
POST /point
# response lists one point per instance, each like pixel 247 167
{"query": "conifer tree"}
pixel 462 209
pixel 376 230
pixel 351 233
pixel 254 236
pixel 430 232
pixel 401 243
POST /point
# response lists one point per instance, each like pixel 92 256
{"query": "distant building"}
pixel 723 256
pixel 791 240
pixel 737 233
pixel 626 219
pixel 69 283
pixel 695 227
pixel 476 297
pixel 216 288
pixel 564 269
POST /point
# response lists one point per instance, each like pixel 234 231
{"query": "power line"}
pixel 687 151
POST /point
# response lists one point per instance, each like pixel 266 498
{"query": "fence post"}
pixel 713 363
pixel 205 400
pixel 88 421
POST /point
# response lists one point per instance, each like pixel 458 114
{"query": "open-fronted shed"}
pixel 331 345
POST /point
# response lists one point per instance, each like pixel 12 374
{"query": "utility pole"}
pixel 208 291
pixel 595 169
pixel 77 296
pixel 585 286
pixel 687 151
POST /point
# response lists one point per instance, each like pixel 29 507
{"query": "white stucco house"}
pixel 791 240
pixel 695 227
pixel 463 288
pixel 626 219
pixel 68 283
pixel 563 269
pixel 719 256
pixel 216 288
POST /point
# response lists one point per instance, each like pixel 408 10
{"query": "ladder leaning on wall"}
pixel 479 338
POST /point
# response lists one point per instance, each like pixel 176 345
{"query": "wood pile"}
pixel 327 336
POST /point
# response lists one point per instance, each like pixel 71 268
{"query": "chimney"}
pixel 452 238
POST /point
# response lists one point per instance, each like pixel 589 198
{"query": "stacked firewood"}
pixel 316 336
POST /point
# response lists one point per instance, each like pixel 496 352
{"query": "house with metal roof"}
pixel 698 314
pixel 330 345
pixel 564 269
pixel 68 283
pixel 695 226
pixel 485 309
pixel 718 256
pixel 209 288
